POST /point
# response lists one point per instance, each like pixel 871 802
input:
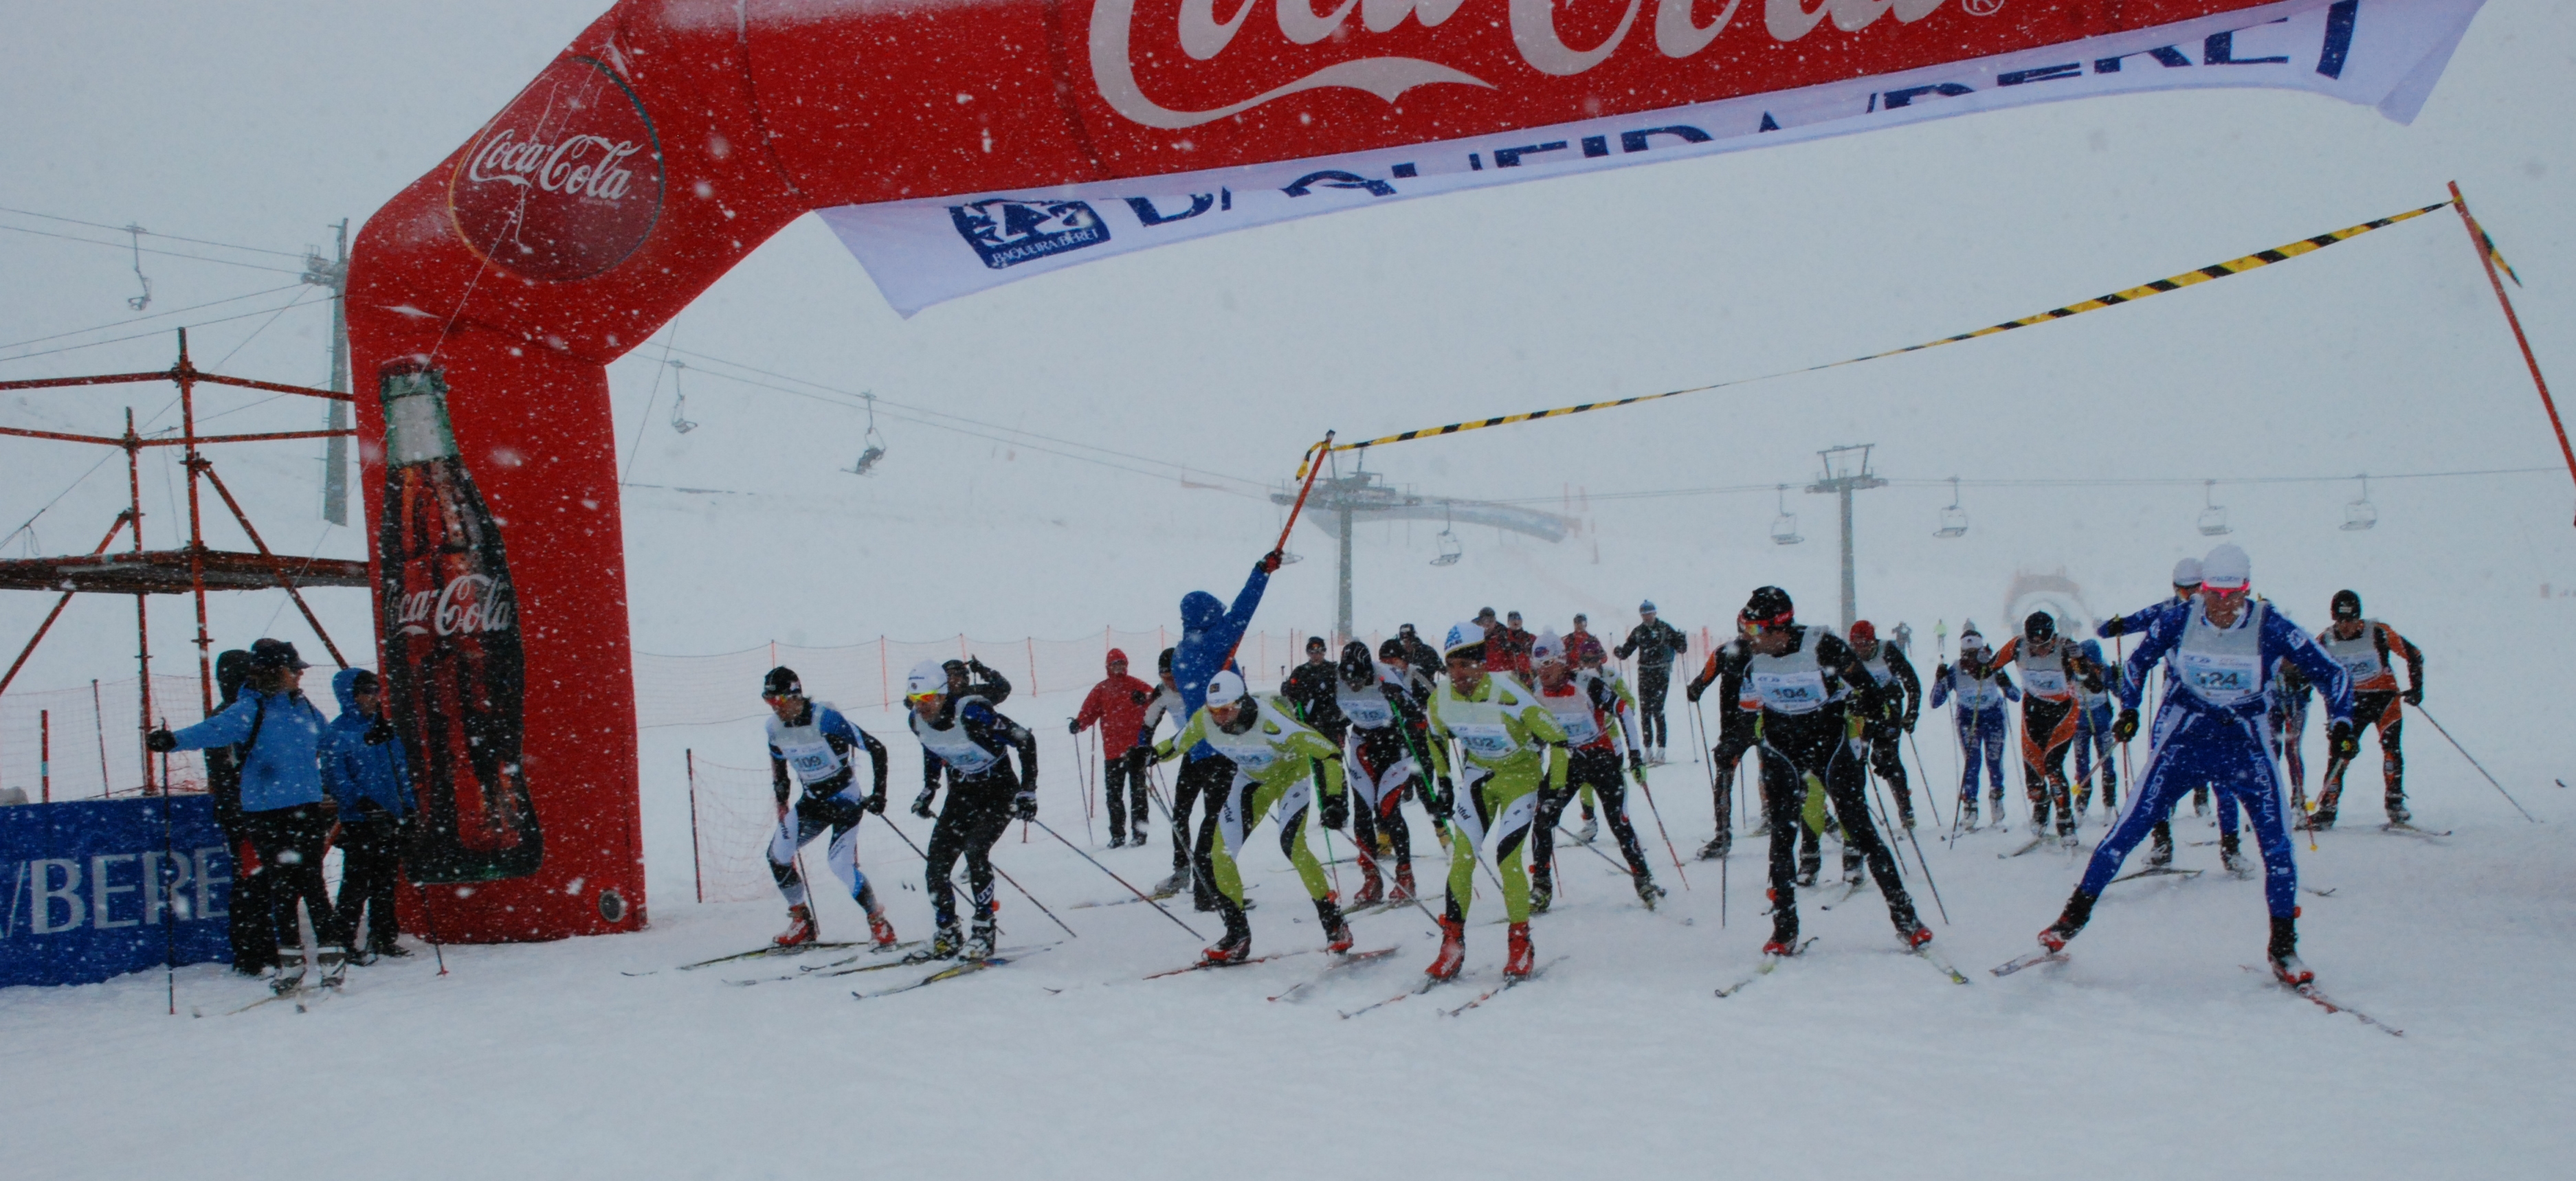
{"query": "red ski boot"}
pixel 1403 883
pixel 881 931
pixel 1372 888
pixel 1453 950
pixel 1233 949
pixel 800 928
pixel 1517 964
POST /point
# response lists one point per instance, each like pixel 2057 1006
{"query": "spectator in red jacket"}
pixel 1117 706
pixel 1508 648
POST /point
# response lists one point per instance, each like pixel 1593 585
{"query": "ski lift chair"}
pixel 2360 514
pixel 874 445
pixel 1450 550
pixel 2213 516
pixel 1784 528
pixel 1954 520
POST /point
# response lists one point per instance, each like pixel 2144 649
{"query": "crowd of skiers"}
pixel 1496 732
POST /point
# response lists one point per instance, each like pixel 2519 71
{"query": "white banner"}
pixel 2381 53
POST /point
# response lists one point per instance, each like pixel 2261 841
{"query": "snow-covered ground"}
pixel 2154 1052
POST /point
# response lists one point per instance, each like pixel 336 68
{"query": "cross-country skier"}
pixel 2364 648
pixel 1589 710
pixel 1738 732
pixel 1980 689
pixel 2052 671
pixel 1272 755
pixel 1511 746
pixel 968 739
pixel 1807 681
pixel 810 744
pixel 1210 630
pixel 1421 662
pixel 2093 741
pixel 1166 703
pixel 1901 693
pixel 1117 705
pixel 970 678
pixel 2186 586
pixel 1380 760
pixel 1654 643
pixel 2209 730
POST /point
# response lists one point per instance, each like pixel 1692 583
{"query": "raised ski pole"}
pixel 1095 862
pixel 997 870
pixel 2473 761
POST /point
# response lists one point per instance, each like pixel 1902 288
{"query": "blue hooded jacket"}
pixel 1209 632
pixel 284 768
pixel 355 771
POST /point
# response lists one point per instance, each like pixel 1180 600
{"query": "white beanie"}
pixel 2187 572
pixel 1547 647
pixel 1225 688
pixel 925 678
pixel 2226 568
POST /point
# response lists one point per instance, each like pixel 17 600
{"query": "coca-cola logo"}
pixel 1536 41
pixel 469 603
pixel 567 181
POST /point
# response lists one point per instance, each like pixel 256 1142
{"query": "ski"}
pixel 2033 960
pixel 1504 987
pixel 759 953
pixel 2310 993
pixel 1428 983
pixel 1158 897
pixel 2158 872
pixel 1204 965
pixel 1850 891
pixel 1925 953
pixel 1769 964
pixel 1374 907
pixel 2409 830
pixel 2033 843
pixel 804 971
pixel 951 972
pixel 1344 960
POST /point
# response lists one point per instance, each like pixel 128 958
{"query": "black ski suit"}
pixel 1654 645
pixel 967 742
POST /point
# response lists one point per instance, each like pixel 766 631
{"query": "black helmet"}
pixel 1163 663
pixel 2347 604
pixel 1769 607
pixel 1392 649
pixel 781 682
pixel 2040 628
pixel 1358 671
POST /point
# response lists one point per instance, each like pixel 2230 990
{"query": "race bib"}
pixel 1790 693
pixel 2361 666
pixel 1368 711
pixel 2221 678
pixel 1486 742
pixel 2047 682
pixel 812 762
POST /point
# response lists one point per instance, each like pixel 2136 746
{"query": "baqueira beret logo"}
pixel 566 182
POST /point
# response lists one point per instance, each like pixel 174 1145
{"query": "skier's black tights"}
pixel 1796 747
pixel 975 815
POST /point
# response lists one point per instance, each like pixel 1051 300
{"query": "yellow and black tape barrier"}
pixel 2236 266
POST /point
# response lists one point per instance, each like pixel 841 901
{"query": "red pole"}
pixel 2477 242
pixel 45 753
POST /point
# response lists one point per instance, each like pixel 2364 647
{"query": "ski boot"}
pixel 1717 847
pixel 1968 814
pixel 1806 875
pixel 1235 948
pixel 290 970
pixel 2284 953
pixel 2398 816
pixel 1851 869
pixel 2200 801
pixel 1784 929
pixel 1453 950
pixel 2160 851
pixel 331 965
pixel 1372 887
pixel 945 943
pixel 2079 911
pixel 1911 931
pixel 881 932
pixel 800 928
pixel 1171 885
pixel 1648 892
pixel 1542 891
pixel 2321 819
pixel 1403 883
pixel 1337 930
pixel 391 950
pixel 2229 858
pixel 1591 828
pixel 979 944
pixel 1995 804
pixel 1517 964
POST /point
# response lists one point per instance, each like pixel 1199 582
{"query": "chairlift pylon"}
pixel 2360 514
pixel 874 447
pixel 679 400
pixel 1450 550
pixel 2213 516
pixel 1954 520
pixel 1784 528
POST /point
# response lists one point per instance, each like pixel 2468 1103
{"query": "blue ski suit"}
pixel 2172 612
pixel 2209 729
pixel 1982 727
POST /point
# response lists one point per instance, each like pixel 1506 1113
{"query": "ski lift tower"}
pixel 1342 501
pixel 1847 471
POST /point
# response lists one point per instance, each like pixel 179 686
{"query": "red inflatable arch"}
pixel 958 143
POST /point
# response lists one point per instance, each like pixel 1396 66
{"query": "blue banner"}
pixel 94 889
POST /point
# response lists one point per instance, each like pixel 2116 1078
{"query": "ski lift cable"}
pixel 138 248
pixel 148 233
pixel 133 320
pixel 154 334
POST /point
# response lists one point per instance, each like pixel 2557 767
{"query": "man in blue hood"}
pixel 370 781
pixel 1209 633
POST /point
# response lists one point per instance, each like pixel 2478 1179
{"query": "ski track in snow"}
pixel 2151 1045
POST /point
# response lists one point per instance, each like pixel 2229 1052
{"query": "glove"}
pixel 2127 727
pixel 161 742
pixel 1693 690
pixel 2414 696
pixel 1141 700
pixel 1024 806
pixel 921 805
pixel 1637 763
pixel 380 733
pixel 1337 811
pixel 1909 721
pixel 1270 562
pixel 2341 741
pixel 1071 726
pixel 2109 629
pixel 1941 673
pixel 1448 795
pixel 876 803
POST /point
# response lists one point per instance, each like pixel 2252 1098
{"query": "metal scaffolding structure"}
pixel 193 569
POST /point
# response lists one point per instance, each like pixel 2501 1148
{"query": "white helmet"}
pixel 1462 635
pixel 1548 648
pixel 1225 688
pixel 2226 568
pixel 925 679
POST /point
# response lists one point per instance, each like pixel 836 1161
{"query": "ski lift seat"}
pixel 1954 523
pixel 1784 529
pixel 2360 514
pixel 2213 521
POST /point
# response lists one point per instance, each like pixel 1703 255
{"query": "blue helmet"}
pixel 2092 650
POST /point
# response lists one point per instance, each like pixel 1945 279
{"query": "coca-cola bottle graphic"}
pixel 452 652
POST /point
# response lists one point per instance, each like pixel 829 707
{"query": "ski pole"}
pixel 1095 862
pixel 1931 798
pixel 436 946
pixel 1721 887
pixel 1717 802
pixel 998 870
pixel 1658 814
pixel 1917 842
pixel 2473 761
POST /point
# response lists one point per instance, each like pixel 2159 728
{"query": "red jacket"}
pixel 1117 704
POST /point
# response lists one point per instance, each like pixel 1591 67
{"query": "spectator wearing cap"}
pixel 1420 657
pixel 276 736
pixel 971 678
pixel 1654 643
pixel 1117 706
pixel 1581 643
pixel 369 778
pixel 1507 648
